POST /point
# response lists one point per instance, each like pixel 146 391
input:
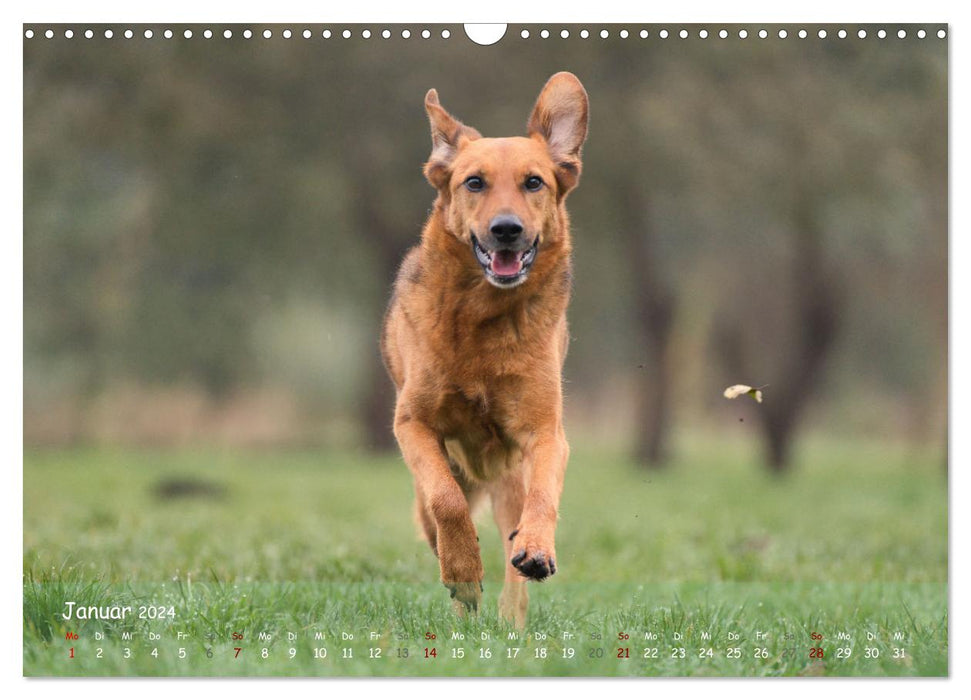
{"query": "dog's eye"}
pixel 533 183
pixel 474 184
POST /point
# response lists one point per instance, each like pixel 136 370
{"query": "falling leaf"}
pixel 733 392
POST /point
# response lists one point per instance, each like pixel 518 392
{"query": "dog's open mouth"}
pixel 505 268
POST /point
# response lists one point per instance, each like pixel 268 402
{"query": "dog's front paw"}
pixel 461 570
pixel 534 557
pixel 465 596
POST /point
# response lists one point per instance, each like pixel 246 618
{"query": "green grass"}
pixel 281 543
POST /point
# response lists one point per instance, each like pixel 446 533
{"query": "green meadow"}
pixel 308 563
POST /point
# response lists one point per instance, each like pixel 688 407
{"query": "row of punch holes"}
pixel 488 37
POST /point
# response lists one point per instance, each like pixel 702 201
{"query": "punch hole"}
pixel 446 34
pixel 803 33
pixel 366 34
pixel 841 33
pixel 227 34
pixel 783 33
pixel 326 34
pixel 584 34
pixel 406 33
pixel 861 33
pixel 167 34
pixel 821 33
pixel 683 34
pixel 247 34
pixel 109 34
pixel 49 33
pixel 485 34
pixel 386 34
pixel 723 34
pixel 604 34
pixel 703 34
pixel 941 34
pixel 88 34
pixel 763 34
pixel 545 34
pixel 624 34
pixel 742 34
pixel 425 34
pixel 307 34
pixel 921 34
pixel 644 34
pixel 901 34
pixel 663 33
pixel 69 34
pixel 29 34
pixel 208 34
pixel 524 34
pixel 882 34
pixel 149 34
pixel 188 33
pixel 564 34
pixel 346 33
pixel 129 33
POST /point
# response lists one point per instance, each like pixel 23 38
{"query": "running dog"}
pixel 475 337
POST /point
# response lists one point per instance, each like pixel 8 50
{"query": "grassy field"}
pixel 745 573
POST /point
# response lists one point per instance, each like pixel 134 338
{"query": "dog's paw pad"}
pixel 537 566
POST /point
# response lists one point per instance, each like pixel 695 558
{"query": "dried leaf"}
pixel 736 390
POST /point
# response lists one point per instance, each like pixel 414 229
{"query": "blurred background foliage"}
pixel 212 227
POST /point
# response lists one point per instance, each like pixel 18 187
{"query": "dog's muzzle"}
pixel 504 267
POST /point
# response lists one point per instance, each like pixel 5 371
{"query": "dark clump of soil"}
pixel 188 487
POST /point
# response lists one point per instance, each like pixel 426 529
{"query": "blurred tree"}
pixel 817 147
pixel 390 246
pixel 812 322
pixel 654 310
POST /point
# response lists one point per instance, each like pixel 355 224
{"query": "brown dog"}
pixel 475 337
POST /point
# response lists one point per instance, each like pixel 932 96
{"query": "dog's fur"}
pixel 476 348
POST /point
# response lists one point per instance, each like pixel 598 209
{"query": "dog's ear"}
pixel 448 136
pixel 560 119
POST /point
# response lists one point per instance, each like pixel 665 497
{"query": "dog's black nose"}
pixel 506 228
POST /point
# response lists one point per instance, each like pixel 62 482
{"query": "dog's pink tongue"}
pixel 506 263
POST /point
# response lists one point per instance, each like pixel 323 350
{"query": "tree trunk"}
pixel 377 406
pixel 777 427
pixel 377 410
pixel 655 315
pixel 815 303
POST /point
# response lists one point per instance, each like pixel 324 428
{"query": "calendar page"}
pixel 404 350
